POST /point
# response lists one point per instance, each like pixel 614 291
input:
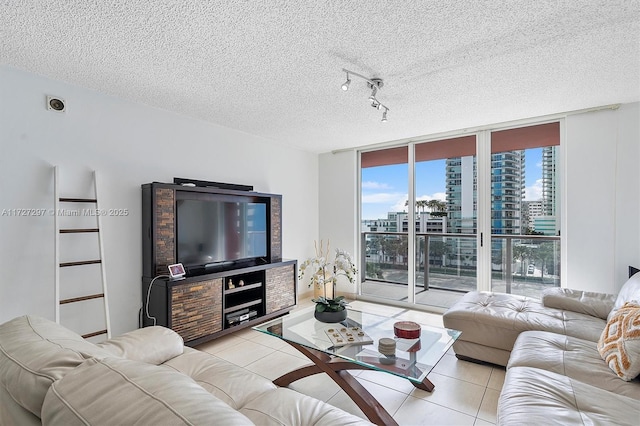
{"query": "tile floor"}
pixel 465 393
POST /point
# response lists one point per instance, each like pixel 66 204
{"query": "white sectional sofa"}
pixel 572 358
pixel 50 375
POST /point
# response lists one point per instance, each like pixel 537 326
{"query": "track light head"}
pixel 345 85
pixel 372 97
pixel 384 115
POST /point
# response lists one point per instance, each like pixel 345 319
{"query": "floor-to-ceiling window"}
pixel 430 232
pixel 384 238
pixel 525 209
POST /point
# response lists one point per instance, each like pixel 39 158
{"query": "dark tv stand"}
pixel 214 303
pixel 205 307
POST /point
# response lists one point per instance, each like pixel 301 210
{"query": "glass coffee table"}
pixel 353 345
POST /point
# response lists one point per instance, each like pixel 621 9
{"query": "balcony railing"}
pixel 521 264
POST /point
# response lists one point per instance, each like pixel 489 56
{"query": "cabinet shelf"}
pixel 242 306
pixel 243 288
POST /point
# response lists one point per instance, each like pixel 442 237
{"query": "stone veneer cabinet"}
pixel 207 305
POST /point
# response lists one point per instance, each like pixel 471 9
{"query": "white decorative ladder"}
pixel 58 201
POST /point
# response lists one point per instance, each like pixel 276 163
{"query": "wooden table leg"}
pixel 425 385
pixel 337 368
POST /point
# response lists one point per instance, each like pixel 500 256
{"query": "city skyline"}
pixel 384 188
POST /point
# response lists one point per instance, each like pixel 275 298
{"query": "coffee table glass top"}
pixel 356 339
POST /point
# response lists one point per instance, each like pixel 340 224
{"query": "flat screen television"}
pixel 215 231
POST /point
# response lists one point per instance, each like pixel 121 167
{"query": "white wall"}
pixel 603 204
pixel 338 219
pixel 128 144
pixel 603 200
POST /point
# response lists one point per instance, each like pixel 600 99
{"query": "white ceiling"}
pixel 273 68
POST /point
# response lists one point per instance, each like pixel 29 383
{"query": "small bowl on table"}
pixel 407 329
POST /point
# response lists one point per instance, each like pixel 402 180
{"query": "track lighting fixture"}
pixel 374 84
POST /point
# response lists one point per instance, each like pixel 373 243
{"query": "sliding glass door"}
pixel 445 210
pixel 443 217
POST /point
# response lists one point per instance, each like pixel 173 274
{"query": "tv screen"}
pixel 215 231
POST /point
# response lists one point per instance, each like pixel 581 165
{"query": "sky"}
pixel 385 188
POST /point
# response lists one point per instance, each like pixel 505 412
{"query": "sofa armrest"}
pixel 583 302
pixel 153 345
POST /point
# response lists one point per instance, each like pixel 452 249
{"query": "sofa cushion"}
pixel 115 391
pixel 575 358
pixel 232 384
pixel 154 345
pixel 11 413
pixel 619 344
pixel 35 352
pixel 531 396
pixel 284 406
pixel 584 302
pixel 630 292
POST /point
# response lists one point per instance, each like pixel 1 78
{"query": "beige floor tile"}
pixel 341 400
pixel 220 344
pixel 247 333
pixel 268 340
pixel 319 386
pixel 480 422
pixel 390 399
pixel 375 308
pixel 453 393
pixel 426 318
pixel 453 367
pixel 496 381
pixel 416 411
pixel 288 349
pixel 244 353
pixel 388 380
pixel 489 407
pixel 275 365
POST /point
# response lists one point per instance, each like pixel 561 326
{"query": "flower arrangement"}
pixel 325 273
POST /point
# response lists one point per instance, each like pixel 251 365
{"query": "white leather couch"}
pixel 555 371
pixel 562 380
pixel 50 375
pixel 491 322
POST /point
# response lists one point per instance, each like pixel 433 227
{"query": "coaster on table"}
pixel 341 335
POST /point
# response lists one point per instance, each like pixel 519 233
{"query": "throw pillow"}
pixel 619 344
pixel 630 292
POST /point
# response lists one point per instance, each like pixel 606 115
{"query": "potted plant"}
pixel 330 310
pixel 324 275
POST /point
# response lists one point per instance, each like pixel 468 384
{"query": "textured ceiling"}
pixel 273 68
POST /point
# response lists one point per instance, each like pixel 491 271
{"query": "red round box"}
pixel 407 329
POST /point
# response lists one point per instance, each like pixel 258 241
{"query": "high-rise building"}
pixel 507 191
pixel 531 209
pixel 549 180
pixel 548 222
pixel 461 185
